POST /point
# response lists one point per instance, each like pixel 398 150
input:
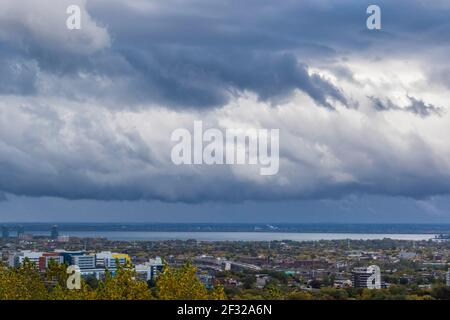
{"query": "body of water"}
pixel 236 236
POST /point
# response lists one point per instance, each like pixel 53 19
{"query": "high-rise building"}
pixel 20 232
pixel 5 232
pixel 54 233
pixel 367 277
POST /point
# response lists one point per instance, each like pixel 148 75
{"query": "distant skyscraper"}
pixel 20 232
pixel 5 233
pixel 55 233
pixel 369 277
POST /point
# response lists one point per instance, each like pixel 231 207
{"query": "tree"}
pixel 218 293
pixel 123 286
pixel 333 294
pixel 272 292
pixel 441 292
pixel 299 295
pixel 249 281
pixel 22 283
pixel 62 293
pixel 183 284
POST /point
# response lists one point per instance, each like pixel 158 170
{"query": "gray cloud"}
pixel 88 116
pixel 17 77
pixel 415 106
pixel 202 53
pixel 191 77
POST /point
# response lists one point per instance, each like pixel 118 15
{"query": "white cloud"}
pixel 43 23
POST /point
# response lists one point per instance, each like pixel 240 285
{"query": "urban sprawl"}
pixel 331 269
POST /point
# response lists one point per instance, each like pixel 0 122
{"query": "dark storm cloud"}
pixel 199 54
pixel 193 77
pixel 415 106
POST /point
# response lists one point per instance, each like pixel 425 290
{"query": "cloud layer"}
pixel 88 114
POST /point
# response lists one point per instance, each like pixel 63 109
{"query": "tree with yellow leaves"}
pixel 23 283
pixel 183 284
pixel 27 283
pixel 56 278
pixel 123 285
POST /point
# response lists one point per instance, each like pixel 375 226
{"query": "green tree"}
pixel 441 292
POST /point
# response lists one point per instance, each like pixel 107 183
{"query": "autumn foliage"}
pixel 27 283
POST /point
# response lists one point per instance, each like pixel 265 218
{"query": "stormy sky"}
pixel 86 115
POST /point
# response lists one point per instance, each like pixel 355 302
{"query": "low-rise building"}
pixel 85 261
pixel 18 258
pixel 109 260
pixel 261 280
pixel 149 270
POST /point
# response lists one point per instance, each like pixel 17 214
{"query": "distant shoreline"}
pixel 233 236
pixel 304 228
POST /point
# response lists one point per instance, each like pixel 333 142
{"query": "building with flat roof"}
pixel 18 258
pixel 88 264
pixel 367 277
pixel 85 261
pixel 149 270
pixel 109 260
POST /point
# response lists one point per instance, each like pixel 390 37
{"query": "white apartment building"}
pixel 150 269
pixel 18 258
